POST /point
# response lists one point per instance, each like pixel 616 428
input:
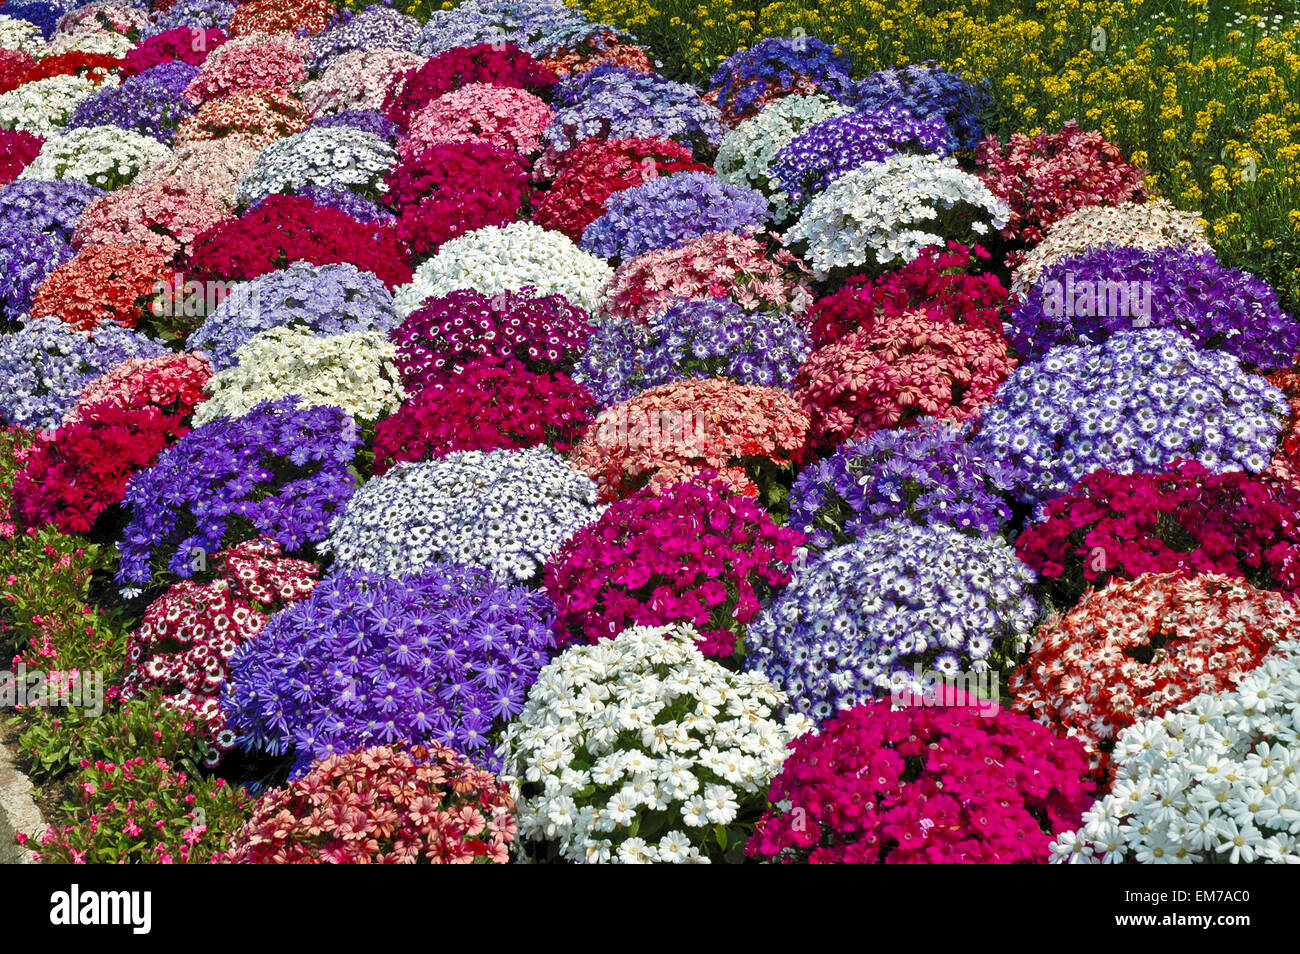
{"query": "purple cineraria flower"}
pixel 151 103
pixel 373 28
pixel 445 653
pixel 27 256
pixel 925 90
pixel 199 14
pixel 42 206
pixel 774 64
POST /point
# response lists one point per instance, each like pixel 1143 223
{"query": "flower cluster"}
pixel 861 618
pixel 251 62
pixel 329 157
pixel 159 215
pixel 17 149
pixel 419 804
pixel 443 654
pixel 701 745
pixel 694 554
pixel 185 44
pixel 257 117
pixel 480 112
pixel 374 28
pixel 495 64
pixel 503 510
pixel 282 16
pixel 898 370
pixel 914 785
pixel 149 103
pixel 669 433
pixel 171 382
pixel 927 89
pixel 104 283
pixel 927 473
pixel 104 156
pixel 1138 648
pixel 43 107
pixel 280 471
pixel 27 256
pixel 776 67
pixel 1137 402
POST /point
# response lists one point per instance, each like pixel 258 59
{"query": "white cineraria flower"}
pixel 109 44
pixel 886 212
pixel 673 797
pixel 104 156
pixel 22 35
pixel 543 501
pixel 747 151
pixel 333 157
pixel 356 371
pixel 496 259
pixel 1212 780
pixel 43 106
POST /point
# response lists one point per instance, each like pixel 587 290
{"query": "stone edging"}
pixel 18 811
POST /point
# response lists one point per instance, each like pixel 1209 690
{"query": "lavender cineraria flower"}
pixel 539 27
pixel 374 28
pixel 862 615
pixel 445 654
pixel 668 210
pixel 827 150
pixel 927 473
pixel 925 90
pixel 365 120
pixel 1112 288
pixel 199 14
pixel 27 256
pixel 280 471
pixel 329 299
pixel 1135 403
pixel 43 206
pixel 693 339
pixel 776 63
pixel 151 103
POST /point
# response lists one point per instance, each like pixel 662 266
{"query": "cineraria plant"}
pixel 182 647
pixel 886 212
pixel 17 149
pixel 1184 518
pixel 1083 299
pixel 27 257
pixel 257 117
pixel 280 471
pixel 693 339
pixel 159 214
pixel 171 382
pixel 1137 648
pixel 443 654
pixel 374 28
pixel 927 89
pixel 150 103
pixel 666 211
pixel 776 67
pixel 301 17
pixel 330 157
pixel 696 554
pixel 685 786
pixel 104 156
pixel 420 804
pixel 326 299
pixel 183 44
pixel 1212 780
pixel 503 510
pixel 495 64
pixel 915 785
pixel 251 62
pixel 210 14
pixel 927 473
pixel 42 107
pixel 449 170
pixel 107 283
pixel 746 434
pixel 1135 403
pixel 44 206
pixel 510 118
pixel 863 619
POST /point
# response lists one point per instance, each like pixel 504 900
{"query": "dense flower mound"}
pixel 696 554
pixel 103 284
pixel 446 335
pixel 824 152
pixel 53 207
pixel 151 103
pixel 597 46
pixel 326 299
pixel 280 471
pixel 256 116
pixel 480 112
pixel 104 156
pixel 693 339
pixel 1183 519
pixel 896 371
pixel 367 120
pixel 675 431
pixel 694 779
pixel 862 790
pixel 614 102
pixel 859 620
pixel 42 107
pixel 45 365
pixel 715 265
pixel 746 153
pixel 287 228
pixel 488 407
pixel 927 89
pixel 668 210
pixel 1212 780
pixel 27 257
pixel 598 169
pixel 494 64
pixel 83 469
pixel 355 371
pixel 941 283
pixel 251 62
pixel 1086 298
pixel 183 645
pixel 449 171
pixel 332 157
pixel 1287 459
pixel 1141 400
pixel 505 510
pixel 1044 178
pixel 208 166
pixel 495 259
pixel 441 655
pixel 422 804
pixel 1136 649
pixel 171 382
pixel 159 215
pixel 928 473
pixel 17 149
pixel 373 28
pixel 883 213
pixel 185 44
pixel 1144 225
pixel 776 67
pixel 210 14
pixel 358 80
pixel 282 16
